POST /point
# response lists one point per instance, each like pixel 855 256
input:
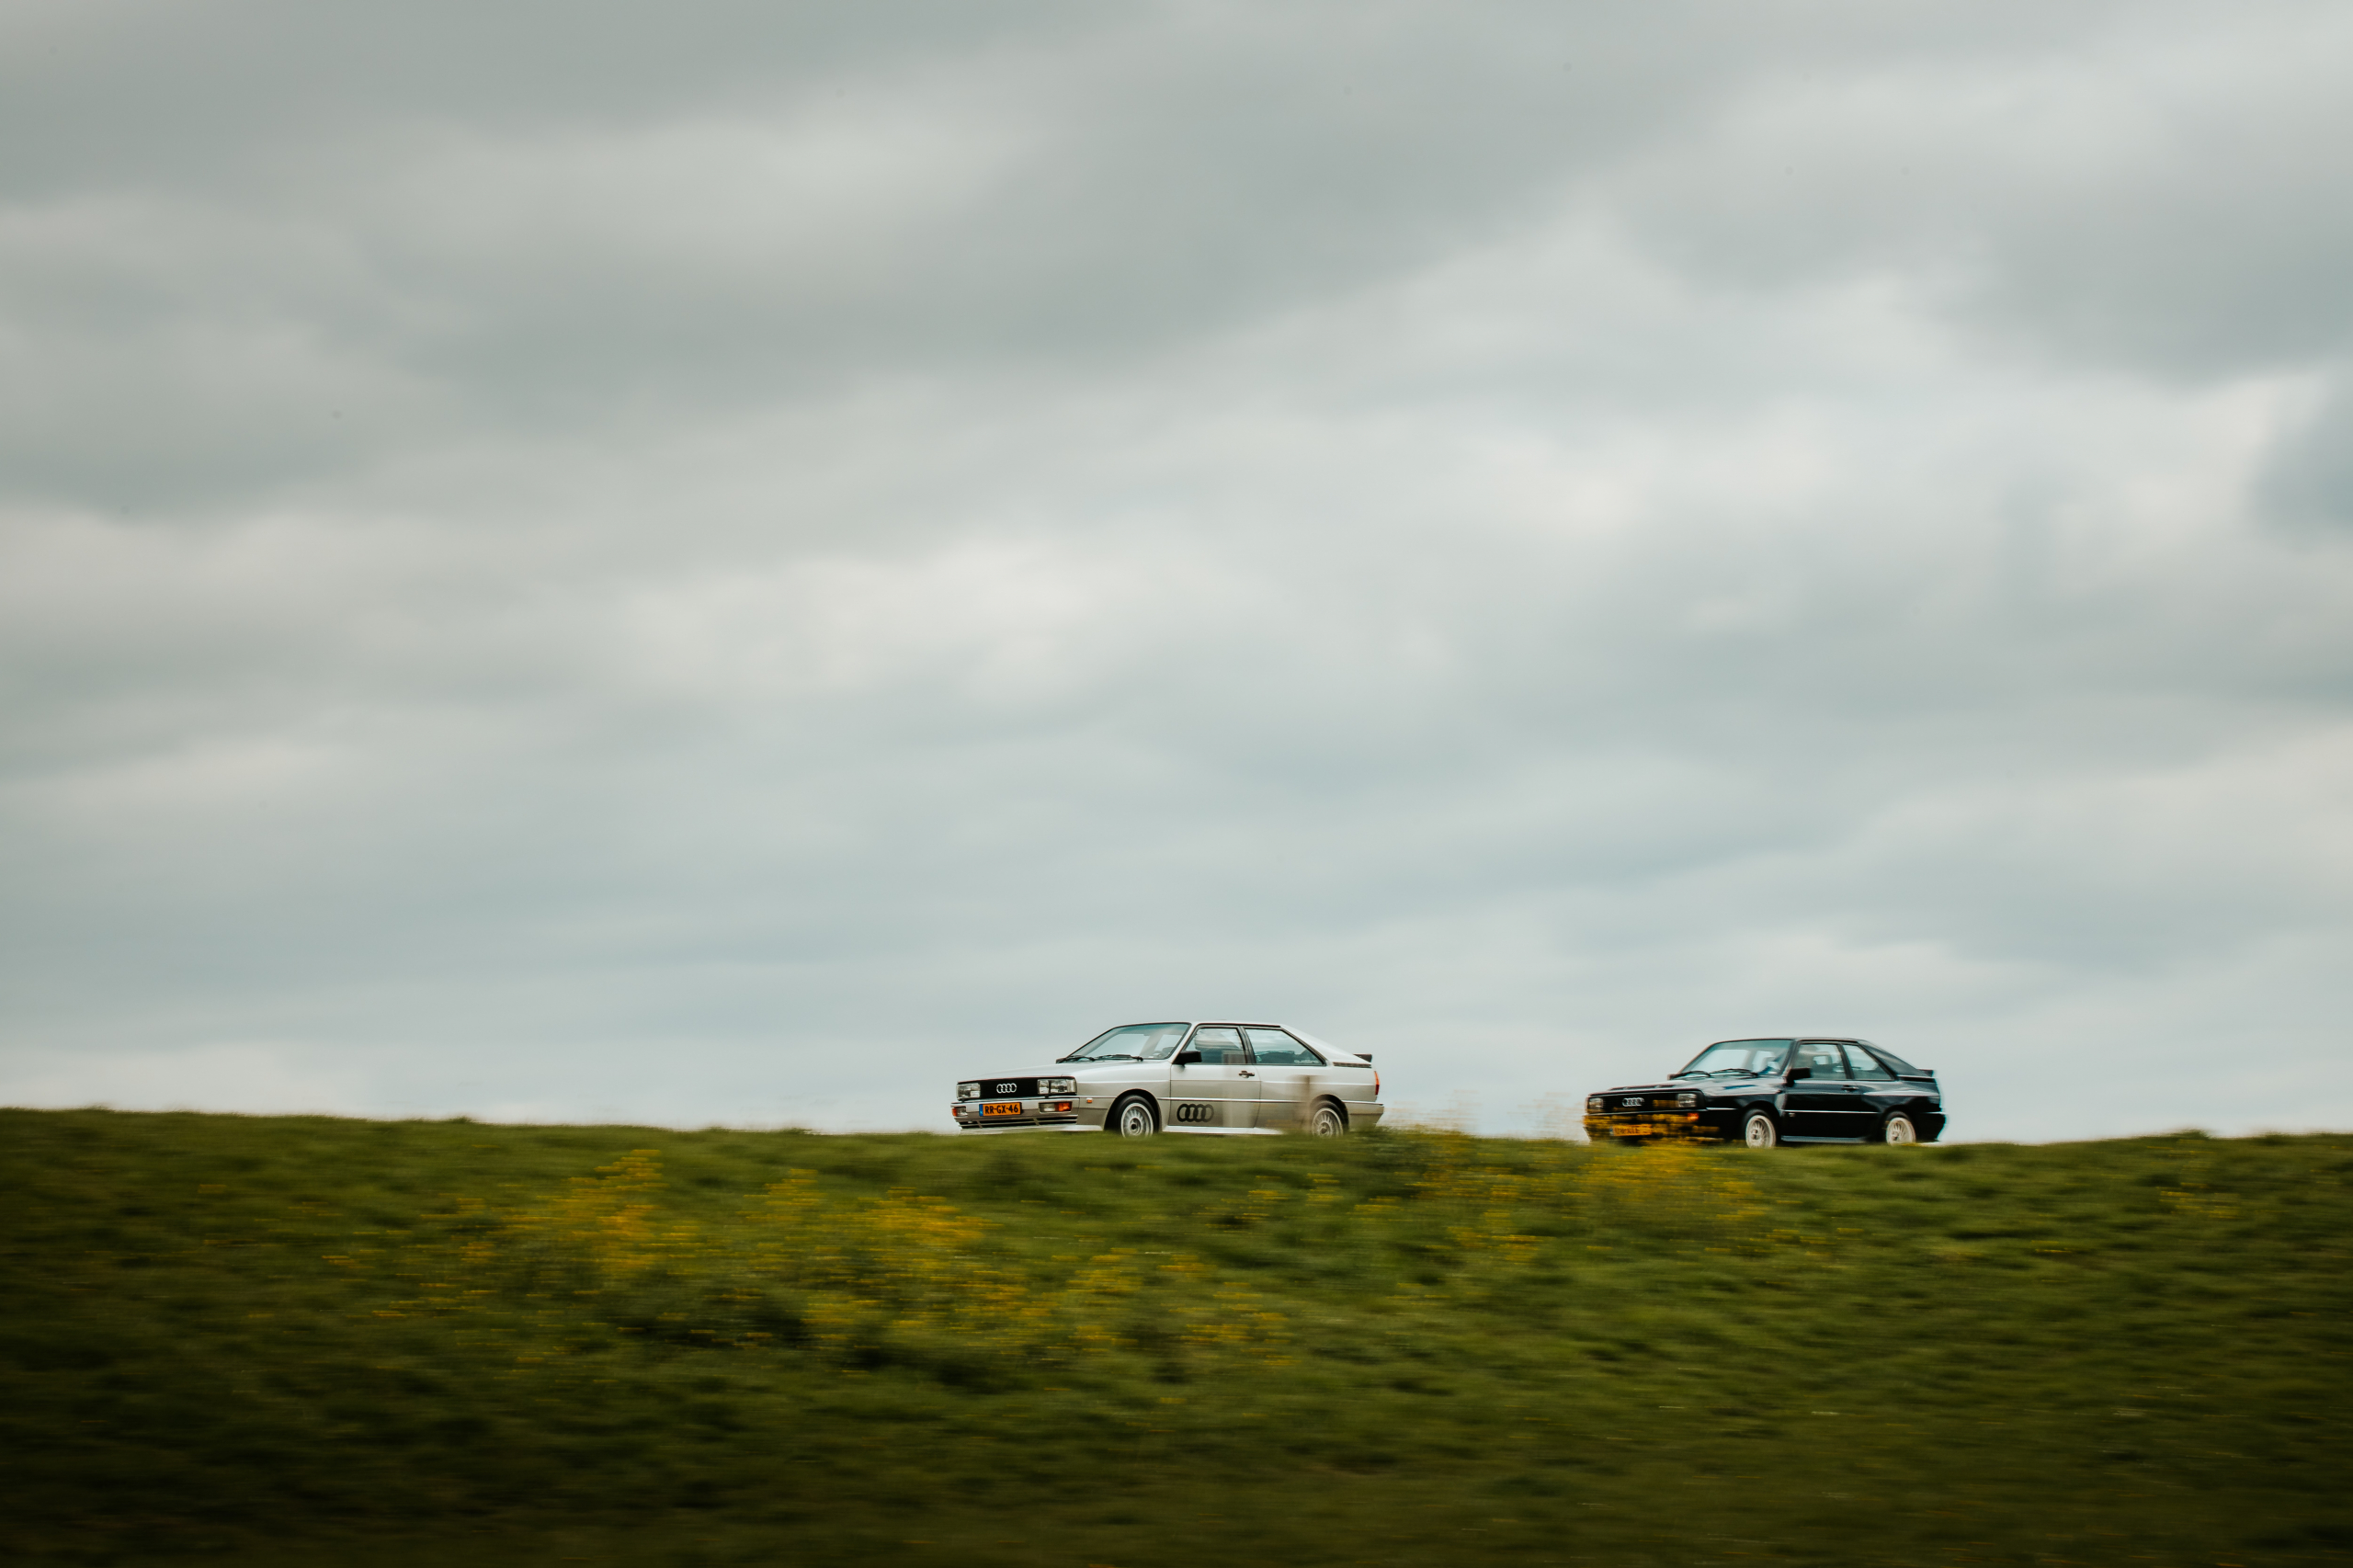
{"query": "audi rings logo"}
pixel 1196 1113
pixel 1633 1099
pixel 1009 1089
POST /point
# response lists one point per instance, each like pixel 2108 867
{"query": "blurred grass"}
pixel 299 1340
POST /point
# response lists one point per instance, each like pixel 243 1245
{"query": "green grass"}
pixel 302 1340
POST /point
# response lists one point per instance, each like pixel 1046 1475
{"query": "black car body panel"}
pixel 1822 1089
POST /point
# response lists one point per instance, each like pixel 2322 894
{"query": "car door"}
pixel 1818 1105
pixel 1217 1091
pixel 1846 1112
pixel 1286 1072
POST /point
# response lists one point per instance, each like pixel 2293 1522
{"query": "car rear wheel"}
pixel 1898 1129
pixel 1758 1132
pixel 1133 1118
pixel 1328 1120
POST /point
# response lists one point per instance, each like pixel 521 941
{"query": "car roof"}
pixel 1223 1023
pixel 1323 1045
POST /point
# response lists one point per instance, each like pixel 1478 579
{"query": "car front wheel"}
pixel 1327 1120
pixel 1898 1129
pixel 1758 1132
pixel 1133 1118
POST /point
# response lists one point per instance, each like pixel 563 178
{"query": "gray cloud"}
pixel 2309 485
pixel 726 565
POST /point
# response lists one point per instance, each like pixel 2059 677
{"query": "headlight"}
pixel 1593 1102
pixel 968 1091
pixel 1058 1086
pixel 1687 1098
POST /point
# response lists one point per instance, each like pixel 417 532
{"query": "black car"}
pixel 1763 1092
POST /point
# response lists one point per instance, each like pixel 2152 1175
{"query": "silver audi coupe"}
pixel 1140 1079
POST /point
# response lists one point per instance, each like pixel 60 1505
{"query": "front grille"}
pixel 995 1088
pixel 1644 1105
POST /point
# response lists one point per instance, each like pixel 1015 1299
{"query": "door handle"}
pixel 1246 1073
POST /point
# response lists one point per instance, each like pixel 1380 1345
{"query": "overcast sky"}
pixel 733 563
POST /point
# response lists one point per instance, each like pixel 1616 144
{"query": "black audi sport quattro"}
pixel 1763 1092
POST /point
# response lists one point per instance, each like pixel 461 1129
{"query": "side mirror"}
pixel 1188 1058
pixel 1795 1073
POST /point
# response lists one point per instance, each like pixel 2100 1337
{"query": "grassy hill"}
pixel 304 1340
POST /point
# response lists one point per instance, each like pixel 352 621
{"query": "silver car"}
pixel 1140 1079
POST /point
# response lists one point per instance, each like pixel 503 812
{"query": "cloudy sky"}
pixel 733 563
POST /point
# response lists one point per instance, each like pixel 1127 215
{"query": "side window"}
pixel 1821 1056
pixel 1273 1048
pixel 1220 1046
pixel 1861 1063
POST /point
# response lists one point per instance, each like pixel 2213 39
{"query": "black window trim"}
pixel 1801 1043
pixel 1249 1057
pixel 1313 1055
pixel 1195 1033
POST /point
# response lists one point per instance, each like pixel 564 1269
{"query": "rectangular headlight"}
pixel 1593 1102
pixel 968 1091
pixel 1687 1099
pixel 1058 1086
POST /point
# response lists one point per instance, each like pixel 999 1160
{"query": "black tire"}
pixel 1135 1117
pixel 1759 1130
pixel 1327 1119
pixel 1898 1129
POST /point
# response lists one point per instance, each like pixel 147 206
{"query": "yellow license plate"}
pixel 1001 1107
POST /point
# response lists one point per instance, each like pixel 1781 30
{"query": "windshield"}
pixel 1131 1042
pixel 1739 1059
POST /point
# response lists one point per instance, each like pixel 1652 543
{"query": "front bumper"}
pixel 1062 1112
pixel 1712 1124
